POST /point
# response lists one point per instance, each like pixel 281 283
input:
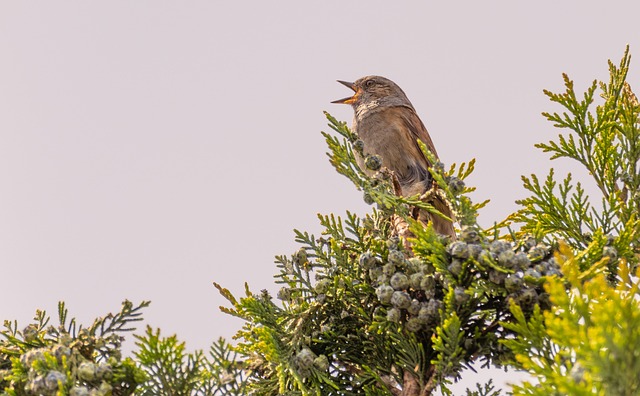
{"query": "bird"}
pixel 388 125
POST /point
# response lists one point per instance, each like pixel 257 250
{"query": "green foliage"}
pixel 484 390
pixel 587 342
pixel 606 142
pixel 387 314
pixel 70 359
pixel 172 371
pixel 379 189
pixel 383 305
pixel 365 310
pixel 66 359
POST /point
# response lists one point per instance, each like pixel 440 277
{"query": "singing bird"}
pixel 387 123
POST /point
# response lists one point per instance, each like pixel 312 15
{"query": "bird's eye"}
pixel 369 83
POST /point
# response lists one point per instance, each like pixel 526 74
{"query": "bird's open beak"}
pixel 350 99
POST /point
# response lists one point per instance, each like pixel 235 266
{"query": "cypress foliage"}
pixel 382 305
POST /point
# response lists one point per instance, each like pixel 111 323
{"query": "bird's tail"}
pixel 441 225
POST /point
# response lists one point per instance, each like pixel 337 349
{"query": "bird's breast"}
pixel 384 133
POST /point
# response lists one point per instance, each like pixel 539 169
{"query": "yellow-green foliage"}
pixel 592 341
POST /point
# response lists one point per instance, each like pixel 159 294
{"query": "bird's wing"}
pixel 441 225
pixel 398 144
pixel 406 121
pixel 416 127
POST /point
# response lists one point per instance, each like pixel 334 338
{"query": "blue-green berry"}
pixel 460 296
pixel 392 243
pixel 497 277
pixel 61 352
pixel 415 264
pixel 513 283
pixel 538 252
pixel 389 269
pixel 358 145
pixel 383 280
pixel 459 250
pixel 399 281
pixel 284 294
pixel 456 185
pixel 300 257
pixel 499 246
pixel 433 308
pixel 469 345
pixel 394 315
pixel 577 373
pixel 427 268
pixel 521 261
pixel 428 283
pixel 506 258
pixel 37 385
pixel 384 293
pixel 554 272
pixel 455 267
pixel 373 162
pixel 30 333
pixel 321 363
pixel 396 257
pixel 423 313
pixel 415 280
pixel 87 371
pixel 305 358
pixel 475 250
pixel 469 235
pixel 401 299
pixel 53 379
pixel 368 199
pixel 28 358
pixel 104 371
pixel 532 276
pixel 368 260
pixel 413 325
pixel 529 242
pixel 528 297
pixel 105 389
pixel 414 308
pixel 79 391
pixel 375 272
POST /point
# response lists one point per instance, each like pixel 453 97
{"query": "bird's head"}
pixel 372 89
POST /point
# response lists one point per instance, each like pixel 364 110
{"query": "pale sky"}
pixel 150 148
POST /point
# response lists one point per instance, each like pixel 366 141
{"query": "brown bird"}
pixel 387 123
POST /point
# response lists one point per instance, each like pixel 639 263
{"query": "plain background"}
pixel 150 148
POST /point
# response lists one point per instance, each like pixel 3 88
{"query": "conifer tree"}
pixel 382 305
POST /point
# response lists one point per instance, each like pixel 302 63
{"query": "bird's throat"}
pixel 365 108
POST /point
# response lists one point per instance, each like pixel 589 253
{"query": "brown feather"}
pixel 388 125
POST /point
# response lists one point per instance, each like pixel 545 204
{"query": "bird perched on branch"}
pixel 387 123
